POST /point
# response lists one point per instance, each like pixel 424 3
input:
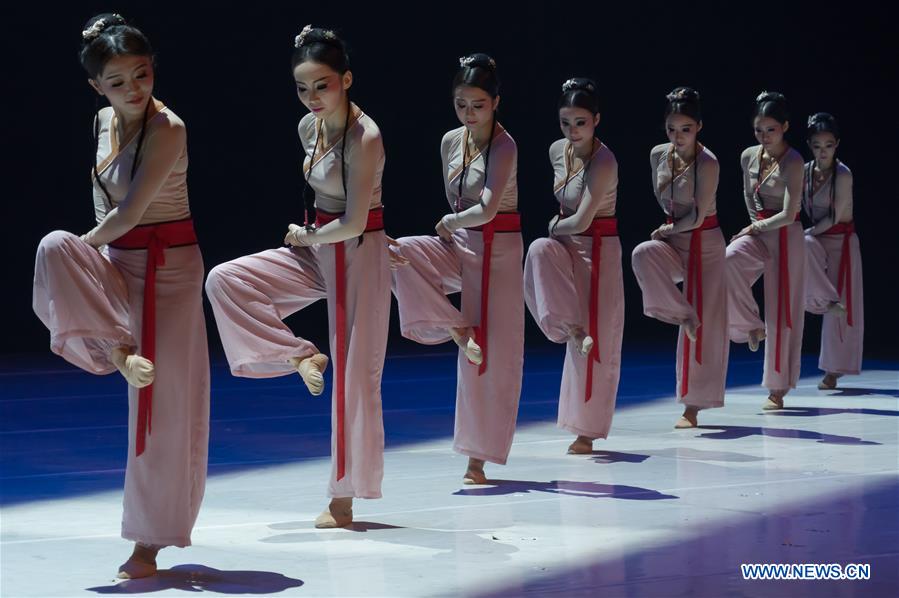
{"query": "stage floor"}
pixel 653 512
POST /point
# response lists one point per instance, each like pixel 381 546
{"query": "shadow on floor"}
pixel 441 543
pixel 569 488
pixel 816 411
pixel 736 432
pixel 198 578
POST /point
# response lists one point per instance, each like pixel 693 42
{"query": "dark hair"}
pixel 821 122
pixel 579 92
pixel 315 44
pixel 477 70
pixel 685 101
pixel 773 105
pixel 104 37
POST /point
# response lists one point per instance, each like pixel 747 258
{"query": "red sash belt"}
pixel 845 273
pixel 375 222
pixel 155 238
pixel 694 282
pixel 601 227
pixel 783 285
pixel 501 223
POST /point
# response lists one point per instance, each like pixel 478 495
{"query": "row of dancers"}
pixel 127 295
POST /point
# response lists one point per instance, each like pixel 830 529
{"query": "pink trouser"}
pixel 748 258
pixel 486 404
pixel 252 295
pixel 557 292
pixel 92 303
pixel 659 266
pixel 841 344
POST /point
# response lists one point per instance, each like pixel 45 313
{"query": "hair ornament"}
pixel 300 40
pixel 573 84
pixel 467 61
pixel 98 26
pixel 683 94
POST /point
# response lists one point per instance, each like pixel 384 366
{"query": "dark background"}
pixel 225 69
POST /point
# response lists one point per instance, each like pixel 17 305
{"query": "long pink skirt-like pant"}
pixel 841 344
pixel 659 266
pixel 486 404
pixel 557 292
pixel 748 258
pixel 250 297
pixel 91 304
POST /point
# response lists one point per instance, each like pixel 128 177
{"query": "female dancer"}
pixel 136 305
pixel 771 245
pixel 573 283
pixel 689 248
pixel 477 251
pixel 833 285
pixel 340 254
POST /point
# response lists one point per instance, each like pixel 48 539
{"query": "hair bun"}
pixel 477 59
pixel 683 94
pixel 100 23
pixel 819 118
pixel 311 35
pixel 579 84
pixel 770 96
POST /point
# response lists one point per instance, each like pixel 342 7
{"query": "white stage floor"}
pixel 654 512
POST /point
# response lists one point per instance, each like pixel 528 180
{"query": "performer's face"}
pixel 320 88
pixel 578 124
pixel 769 132
pixel 681 130
pixel 474 107
pixel 127 82
pixel 824 146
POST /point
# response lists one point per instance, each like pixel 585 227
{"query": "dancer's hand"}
pixel 443 232
pixel 661 233
pixel 298 236
pixel 749 230
pixel 397 259
pixel 86 237
pixel 551 228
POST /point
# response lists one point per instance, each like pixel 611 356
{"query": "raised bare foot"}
pixel 690 328
pixel 137 370
pixel 755 337
pixel 836 308
pixel 311 370
pixel 582 341
pixel 465 339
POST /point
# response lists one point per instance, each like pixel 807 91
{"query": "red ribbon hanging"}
pixel 375 222
pixel 155 238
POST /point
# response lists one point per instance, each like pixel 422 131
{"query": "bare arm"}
pixel 842 209
pixel 748 191
pixel 704 197
pixel 502 163
pixel 161 150
pixel 600 183
pixel 360 186
pixel 793 171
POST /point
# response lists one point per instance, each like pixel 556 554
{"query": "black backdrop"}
pixel 224 68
